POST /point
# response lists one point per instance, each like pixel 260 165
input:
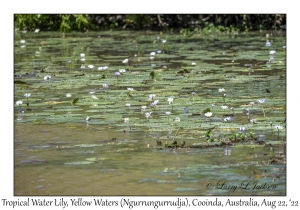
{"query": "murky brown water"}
pixel 41 154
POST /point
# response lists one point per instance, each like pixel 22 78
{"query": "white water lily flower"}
pixel 208 114
pixel 128 105
pixel 272 52
pixel 22 41
pixel 82 59
pixel 19 102
pixel 253 120
pixel 158 51
pixel 261 100
pixel 126 120
pixel 37 30
pixel 221 90
pixel 226 119
pixel 130 89
pixel 152 53
pixel 151 58
pixel 251 103
pixel 148 114
pixel 105 85
pixel 82 55
pixel 105 67
pixel 68 95
pixel 279 127
pixel 82 67
pixel 27 95
pixel 100 68
pixel 143 109
pixel 163 41
pixel 87 119
pixel 91 66
pixel 224 107
pixel 122 70
pixel 168 113
pixel 94 97
pixel 193 63
pixel 154 103
pixel 151 96
pixel 47 77
pixel 91 92
pixel 125 61
pixel 177 119
pixel 170 100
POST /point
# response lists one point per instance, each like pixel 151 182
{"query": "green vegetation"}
pixel 187 24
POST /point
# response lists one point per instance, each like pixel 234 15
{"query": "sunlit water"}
pixel 75 157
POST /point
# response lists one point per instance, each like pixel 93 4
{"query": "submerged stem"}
pixel 263 111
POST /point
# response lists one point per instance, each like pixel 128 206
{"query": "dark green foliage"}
pixel 187 24
pixel 75 100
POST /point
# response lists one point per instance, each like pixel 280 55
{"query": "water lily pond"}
pixel 149 113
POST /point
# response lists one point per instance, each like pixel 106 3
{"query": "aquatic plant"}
pixel 261 101
pixel 143 108
pixel 177 119
pixel 47 77
pixel 170 100
pixel 221 90
pixel 151 97
pixel 147 115
pixel 168 113
pixel 154 104
pixel 117 74
pixel 128 105
pixel 232 109
pixel 242 129
pixel 27 95
pixel 208 114
pixel 224 96
pixel 224 107
pixel 278 127
pixel 19 102
pixel 126 61
pixel 271 123
pixel 105 86
pixel 193 94
pixel 226 119
pixel 212 106
pixel 94 97
pixel 253 121
pixel 186 111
